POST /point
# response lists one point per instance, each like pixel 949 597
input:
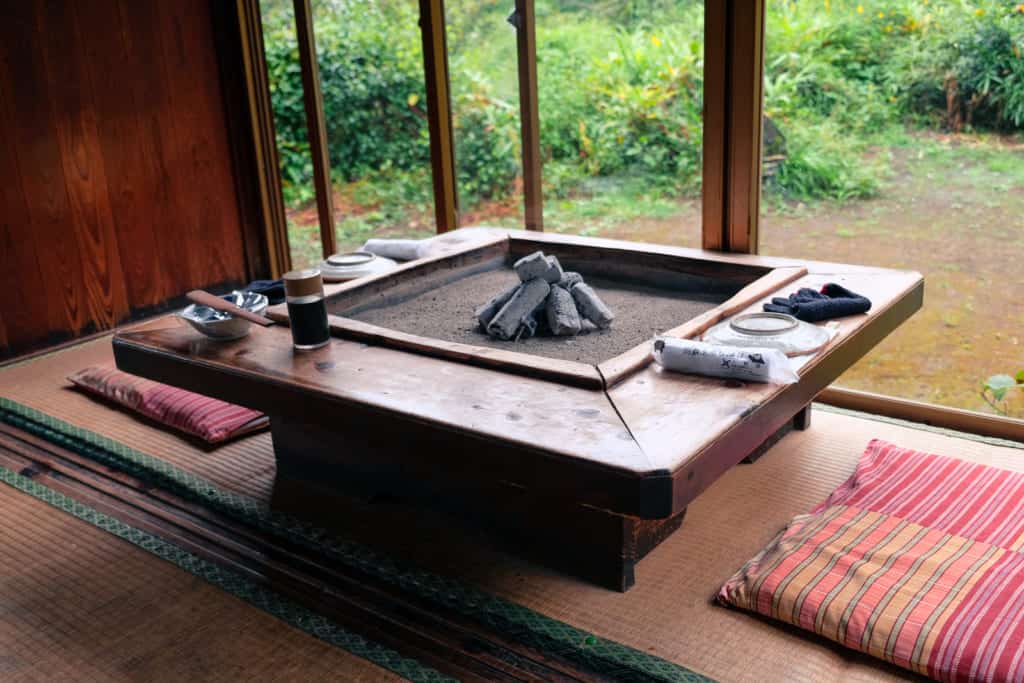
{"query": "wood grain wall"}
pixel 117 190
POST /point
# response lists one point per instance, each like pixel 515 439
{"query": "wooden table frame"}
pixel 585 479
pixel 752 281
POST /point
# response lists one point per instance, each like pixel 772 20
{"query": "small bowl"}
pixel 224 326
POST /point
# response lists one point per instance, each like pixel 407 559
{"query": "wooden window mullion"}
pixel 316 126
pixel 264 142
pixel 529 116
pixel 439 114
pixel 734 69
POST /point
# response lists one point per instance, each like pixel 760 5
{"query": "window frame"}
pixel 734 32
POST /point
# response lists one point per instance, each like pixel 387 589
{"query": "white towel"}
pixel 733 362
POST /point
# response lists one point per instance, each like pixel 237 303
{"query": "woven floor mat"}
pixel 245 465
pixel 77 603
pixel 669 613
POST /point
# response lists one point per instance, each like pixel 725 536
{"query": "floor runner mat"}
pixel 527 626
pixel 258 596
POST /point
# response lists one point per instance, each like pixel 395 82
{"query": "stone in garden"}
pixel 591 307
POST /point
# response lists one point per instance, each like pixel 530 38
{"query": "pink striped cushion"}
pixel 917 559
pixel 208 418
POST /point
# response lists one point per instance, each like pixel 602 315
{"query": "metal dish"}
pixel 224 326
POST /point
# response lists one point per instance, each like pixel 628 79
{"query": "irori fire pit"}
pixel 547 301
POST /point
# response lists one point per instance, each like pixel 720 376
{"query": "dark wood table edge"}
pixel 700 471
pixel 641 490
pixel 602 375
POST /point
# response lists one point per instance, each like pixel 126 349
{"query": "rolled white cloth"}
pixel 733 362
pixel 444 243
pixel 400 250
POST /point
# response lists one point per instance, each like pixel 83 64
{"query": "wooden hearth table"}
pixel 582 466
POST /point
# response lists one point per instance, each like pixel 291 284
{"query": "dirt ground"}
pixel 955 214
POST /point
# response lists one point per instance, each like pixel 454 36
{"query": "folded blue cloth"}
pixel 833 301
pixel 272 289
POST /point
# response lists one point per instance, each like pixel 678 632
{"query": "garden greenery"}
pixel 620 87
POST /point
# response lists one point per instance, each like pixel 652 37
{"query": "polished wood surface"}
pixel 115 155
pixel 622 366
pixel 646 447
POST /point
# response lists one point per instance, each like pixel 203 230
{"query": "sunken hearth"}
pixel 448 313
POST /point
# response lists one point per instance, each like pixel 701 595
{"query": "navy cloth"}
pixel 272 289
pixel 833 301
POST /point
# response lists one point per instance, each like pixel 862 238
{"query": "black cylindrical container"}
pixel 307 310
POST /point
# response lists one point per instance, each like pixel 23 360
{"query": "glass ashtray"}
pixel 770 330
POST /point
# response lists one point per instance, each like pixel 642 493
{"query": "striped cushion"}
pixel 209 419
pixel 917 559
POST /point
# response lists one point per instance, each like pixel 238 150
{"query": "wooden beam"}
pixel 526 48
pixel 316 127
pixel 994 426
pixel 734 63
pixel 439 114
pixel 264 142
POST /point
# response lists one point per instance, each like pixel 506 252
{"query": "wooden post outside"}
pixel 526 48
pixel 264 142
pixel 439 114
pixel 734 70
pixel 316 127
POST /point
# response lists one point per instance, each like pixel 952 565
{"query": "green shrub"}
pixel 621 88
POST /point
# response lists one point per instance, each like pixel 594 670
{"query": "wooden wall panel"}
pixel 73 111
pixel 116 180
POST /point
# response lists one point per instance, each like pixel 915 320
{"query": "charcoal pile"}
pixel 547 301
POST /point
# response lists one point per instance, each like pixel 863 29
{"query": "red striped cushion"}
pixel 208 418
pixel 916 560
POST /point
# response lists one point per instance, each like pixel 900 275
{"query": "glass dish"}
pixel 770 330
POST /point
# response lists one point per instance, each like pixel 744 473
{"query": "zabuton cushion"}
pixel 208 418
pixel 916 560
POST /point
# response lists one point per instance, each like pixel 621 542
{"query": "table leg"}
pixel 800 422
pixel 317 482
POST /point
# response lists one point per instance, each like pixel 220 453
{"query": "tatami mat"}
pixel 245 465
pixel 669 613
pixel 78 604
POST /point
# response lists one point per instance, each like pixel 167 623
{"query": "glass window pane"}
pixel 371 75
pixel 884 146
pixel 620 96
pixel 484 79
